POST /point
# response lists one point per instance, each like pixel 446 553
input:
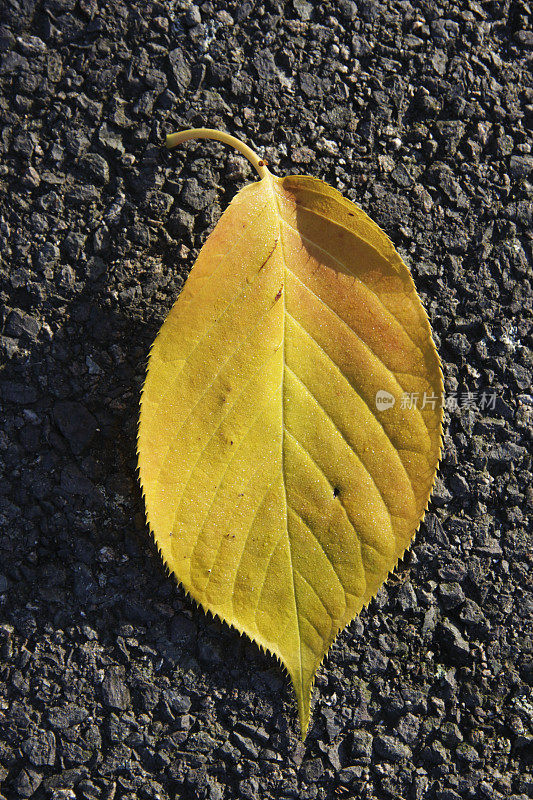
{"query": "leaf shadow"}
pixel 80 564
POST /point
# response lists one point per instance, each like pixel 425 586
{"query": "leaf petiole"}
pixel 173 139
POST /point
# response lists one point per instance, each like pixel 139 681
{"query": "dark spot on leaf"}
pixel 278 294
pixel 336 492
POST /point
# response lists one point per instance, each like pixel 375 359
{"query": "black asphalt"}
pixel 113 686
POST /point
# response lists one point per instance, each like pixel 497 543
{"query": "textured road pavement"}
pixel 112 684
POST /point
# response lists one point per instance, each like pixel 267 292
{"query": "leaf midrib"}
pixel 277 211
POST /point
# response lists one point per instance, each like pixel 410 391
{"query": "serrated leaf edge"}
pixel 242 631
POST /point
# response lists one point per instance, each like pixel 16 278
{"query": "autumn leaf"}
pixel 283 470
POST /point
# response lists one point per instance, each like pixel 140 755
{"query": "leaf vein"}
pixel 355 390
pixel 353 450
pixel 319 469
pixel 346 325
pixel 224 418
pixel 256 513
pixel 206 333
pixel 215 495
pixel 315 537
pixel 233 353
pixel 345 266
pixel 285 268
pixel 302 576
pixel 236 241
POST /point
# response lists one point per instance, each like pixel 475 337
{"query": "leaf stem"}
pixel 257 163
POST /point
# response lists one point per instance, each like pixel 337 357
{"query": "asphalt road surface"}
pixel 112 683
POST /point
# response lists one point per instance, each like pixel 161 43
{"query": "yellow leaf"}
pixel 283 471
